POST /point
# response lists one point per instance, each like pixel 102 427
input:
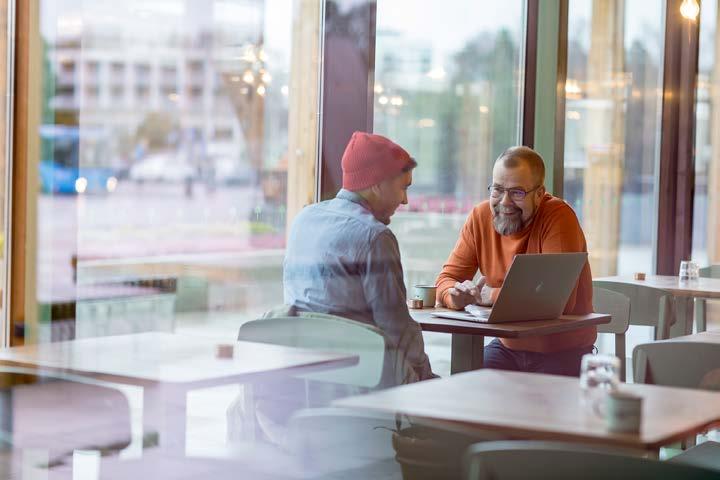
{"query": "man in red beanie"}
pixel 342 259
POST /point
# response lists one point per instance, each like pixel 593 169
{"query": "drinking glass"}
pixel 684 272
pixel 599 375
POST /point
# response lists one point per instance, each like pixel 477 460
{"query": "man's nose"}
pixel 505 199
pixel 404 200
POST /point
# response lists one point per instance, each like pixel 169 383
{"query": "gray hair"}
pixel 514 156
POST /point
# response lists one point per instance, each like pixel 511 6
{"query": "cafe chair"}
pixel 713 271
pixel 618 306
pixel 706 455
pixel 517 460
pixel 57 414
pixel 331 439
pixel 678 364
pixel 649 306
pixel 379 365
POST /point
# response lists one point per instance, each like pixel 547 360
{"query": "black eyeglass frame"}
pixel 516 194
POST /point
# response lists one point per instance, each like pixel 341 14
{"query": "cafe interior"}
pixel 161 160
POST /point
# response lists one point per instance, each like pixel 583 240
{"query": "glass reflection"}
pixel 613 95
pixel 163 164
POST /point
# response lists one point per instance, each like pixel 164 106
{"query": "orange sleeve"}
pixel 564 235
pixel 462 263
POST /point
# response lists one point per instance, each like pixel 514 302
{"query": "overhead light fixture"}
pixel 690 9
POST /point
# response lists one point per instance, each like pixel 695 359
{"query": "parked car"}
pixel 162 167
pixel 230 170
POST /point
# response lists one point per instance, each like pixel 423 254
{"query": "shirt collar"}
pixel 352 197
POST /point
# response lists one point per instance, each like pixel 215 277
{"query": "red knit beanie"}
pixel 369 159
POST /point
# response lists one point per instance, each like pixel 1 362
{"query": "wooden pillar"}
pixel 4 319
pixel 26 153
pixel 605 134
pixel 304 106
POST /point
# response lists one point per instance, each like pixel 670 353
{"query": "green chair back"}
pixel 712 271
pixel 649 306
pixel 678 364
pixel 561 461
pixel 616 305
pixel 333 334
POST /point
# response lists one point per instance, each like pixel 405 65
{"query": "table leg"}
pixel 165 413
pixel 467 352
pixel 701 314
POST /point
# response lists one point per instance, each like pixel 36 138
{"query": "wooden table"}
pixel 468 338
pixel 167 366
pixel 543 407
pixel 684 292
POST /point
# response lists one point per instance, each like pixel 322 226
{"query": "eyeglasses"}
pixel 516 194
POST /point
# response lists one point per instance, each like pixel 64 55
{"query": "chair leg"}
pixel 620 353
pixel 701 314
pixel 688 442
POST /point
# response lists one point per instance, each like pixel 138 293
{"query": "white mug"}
pixel 622 412
pixel 426 293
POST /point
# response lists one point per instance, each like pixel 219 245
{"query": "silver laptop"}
pixel 536 287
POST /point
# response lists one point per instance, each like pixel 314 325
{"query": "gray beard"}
pixel 507 226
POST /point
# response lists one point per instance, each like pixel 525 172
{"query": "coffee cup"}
pixel 426 293
pixel 623 412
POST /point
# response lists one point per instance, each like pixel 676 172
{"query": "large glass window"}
pixel 706 215
pixel 163 166
pixel 448 90
pixel 612 127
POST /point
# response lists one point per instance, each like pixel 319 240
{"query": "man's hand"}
pixel 467 293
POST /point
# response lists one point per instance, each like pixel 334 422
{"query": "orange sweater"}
pixel 554 229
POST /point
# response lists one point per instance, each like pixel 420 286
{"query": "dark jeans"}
pixel 566 362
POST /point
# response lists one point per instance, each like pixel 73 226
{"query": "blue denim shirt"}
pixel 341 260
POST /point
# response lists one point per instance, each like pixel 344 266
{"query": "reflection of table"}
pixel 543 407
pixel 167 366
pixel 684 292
pixel 468 337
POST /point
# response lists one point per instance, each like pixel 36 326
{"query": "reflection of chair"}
pixel 379 364
pixel 58 414
pixel 649 306
pixel 618 306
pixel 337 439
pixel 514 460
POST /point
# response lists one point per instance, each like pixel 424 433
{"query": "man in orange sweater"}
pixel 520 217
